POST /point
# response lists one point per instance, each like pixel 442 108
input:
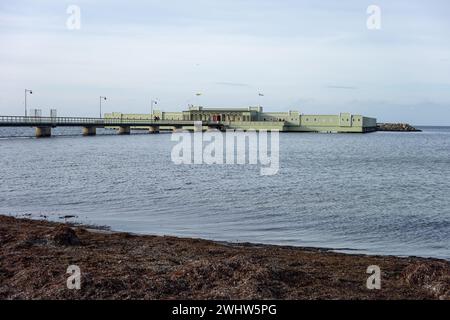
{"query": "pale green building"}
pixel 256 118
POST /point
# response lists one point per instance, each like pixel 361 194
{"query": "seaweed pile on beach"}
pixel 35 255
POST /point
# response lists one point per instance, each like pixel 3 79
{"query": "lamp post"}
pixel 30 92
pixel 151 105
pixel 101 98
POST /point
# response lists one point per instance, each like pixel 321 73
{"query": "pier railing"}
pixel 11 121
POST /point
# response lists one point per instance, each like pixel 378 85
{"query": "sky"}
pixel 311 56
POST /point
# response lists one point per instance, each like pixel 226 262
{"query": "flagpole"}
pixel 259 98
pixel 197 95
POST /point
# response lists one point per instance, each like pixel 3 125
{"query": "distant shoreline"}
pixel 115 265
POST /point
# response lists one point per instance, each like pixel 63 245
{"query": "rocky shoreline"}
pixel 35 255
pixel 396 127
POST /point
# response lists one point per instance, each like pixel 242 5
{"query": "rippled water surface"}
pixel 384 193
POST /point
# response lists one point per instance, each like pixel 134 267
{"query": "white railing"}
pixel 79 121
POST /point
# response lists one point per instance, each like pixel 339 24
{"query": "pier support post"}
pixel 198 128
pixel 153 129
pixel 124 130
pixel 42 132
pixel 89 131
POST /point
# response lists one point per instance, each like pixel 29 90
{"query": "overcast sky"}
pixel 311 56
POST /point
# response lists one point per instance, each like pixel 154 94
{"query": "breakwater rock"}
pixel 396 127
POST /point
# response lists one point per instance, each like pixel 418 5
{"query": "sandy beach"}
pixel 34 256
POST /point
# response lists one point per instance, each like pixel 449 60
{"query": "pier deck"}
pixel 44 125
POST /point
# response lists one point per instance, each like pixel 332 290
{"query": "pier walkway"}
pixel 44 125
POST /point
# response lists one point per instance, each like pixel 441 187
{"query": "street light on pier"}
pixel 30 92
pixel 101 98
pixel 152 102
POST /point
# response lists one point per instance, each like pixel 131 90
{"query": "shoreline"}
pixel 35 254
pixel 106 229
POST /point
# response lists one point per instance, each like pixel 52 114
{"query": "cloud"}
pixel 229 50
